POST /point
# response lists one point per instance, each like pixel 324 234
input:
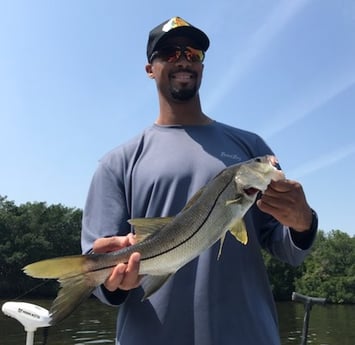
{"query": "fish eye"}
pixel 258 160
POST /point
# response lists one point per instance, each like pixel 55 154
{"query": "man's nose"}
pixel 182 61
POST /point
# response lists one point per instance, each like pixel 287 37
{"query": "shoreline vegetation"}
pixel 34 231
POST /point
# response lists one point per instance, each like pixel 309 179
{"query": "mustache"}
pixel 186 70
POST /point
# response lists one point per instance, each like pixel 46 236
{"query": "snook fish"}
pixel 165 244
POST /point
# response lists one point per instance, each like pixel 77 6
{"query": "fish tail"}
pixel 78 277
pixel 73 291
pixel 57 267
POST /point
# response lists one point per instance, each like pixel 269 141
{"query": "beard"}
pixel 183 94
pixel 181 91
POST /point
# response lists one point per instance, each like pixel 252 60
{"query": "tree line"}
pixel 35 231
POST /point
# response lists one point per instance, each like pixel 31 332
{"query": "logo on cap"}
pixel 173 23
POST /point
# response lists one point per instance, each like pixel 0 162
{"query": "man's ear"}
pixel 149 70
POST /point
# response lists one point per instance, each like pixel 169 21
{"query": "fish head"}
pixel 255 175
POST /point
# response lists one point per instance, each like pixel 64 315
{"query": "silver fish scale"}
pixel 196 228
pixel 202 224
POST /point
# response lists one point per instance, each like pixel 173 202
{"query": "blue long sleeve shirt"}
pixel 208 301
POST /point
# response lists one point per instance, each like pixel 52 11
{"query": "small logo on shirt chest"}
pixel 233 156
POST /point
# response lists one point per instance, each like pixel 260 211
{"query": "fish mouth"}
pixel 251 191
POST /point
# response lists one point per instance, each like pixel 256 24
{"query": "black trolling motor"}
pixel 308 302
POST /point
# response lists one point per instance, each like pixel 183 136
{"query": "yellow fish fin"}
pixel 234 201
pixel 145 227
pixel 66 266
pixel 239 231
pixel 77 277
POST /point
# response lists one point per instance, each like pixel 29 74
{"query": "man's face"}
pixel 178 80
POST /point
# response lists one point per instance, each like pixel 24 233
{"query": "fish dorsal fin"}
pixel 194 198
pixel 197 195
pixel 145 227
pixel 238 230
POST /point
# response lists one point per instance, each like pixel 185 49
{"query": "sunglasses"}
pixel 173 53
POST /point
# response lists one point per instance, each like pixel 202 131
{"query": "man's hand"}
pixel 124 276
pixel 286 201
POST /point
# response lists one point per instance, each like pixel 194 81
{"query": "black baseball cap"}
pixel 176 26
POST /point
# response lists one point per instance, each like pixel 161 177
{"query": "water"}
pixel 328 324
pixel 94 323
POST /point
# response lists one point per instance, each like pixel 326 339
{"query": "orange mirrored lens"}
pixel 194 55
pixel 173 54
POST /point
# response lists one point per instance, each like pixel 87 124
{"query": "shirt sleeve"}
pixel 280 241
pixel 105 214
pixel 305 239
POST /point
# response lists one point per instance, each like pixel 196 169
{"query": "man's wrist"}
pixel 304 239
pixel 116 297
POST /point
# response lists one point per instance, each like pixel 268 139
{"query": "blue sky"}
pixel 73 86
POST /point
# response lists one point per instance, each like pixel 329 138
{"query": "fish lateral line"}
pixel 106 267
pixel 193 233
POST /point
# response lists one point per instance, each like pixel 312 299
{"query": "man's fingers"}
pixel 110 244
pixel 281 186
pixel 125 276
pixel 132 278
pixel 114 280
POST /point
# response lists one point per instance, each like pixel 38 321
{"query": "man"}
pixel 207 302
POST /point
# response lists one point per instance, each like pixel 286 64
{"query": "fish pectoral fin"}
pixel 144 227
pixel 234 201
pixel 239 231
pixel 151 284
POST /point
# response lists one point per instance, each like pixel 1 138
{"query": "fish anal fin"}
pixel 239 231
pixel 145 227
pixel 151 284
